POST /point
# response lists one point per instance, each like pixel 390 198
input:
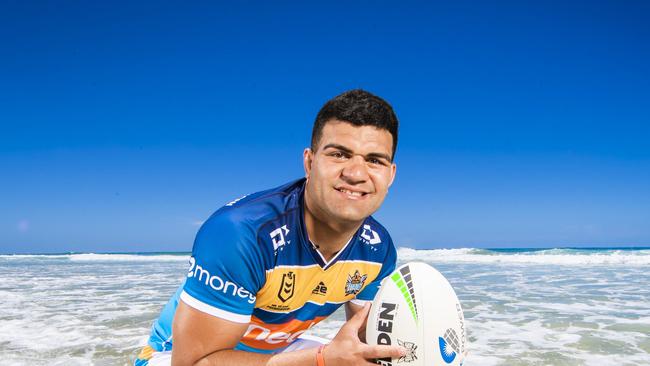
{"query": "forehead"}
pixel 362 139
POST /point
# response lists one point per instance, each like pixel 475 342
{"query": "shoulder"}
pixel 374 243
pixel 374 233
pixel 238 222
pixel 228 245
pixel 257 208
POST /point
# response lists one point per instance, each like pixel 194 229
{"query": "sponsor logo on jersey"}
pixel 370 236
pixel 278 237
pixel 320 289
pixel 448 344
pixel 217 283
pixel 288 286
pixel 355 283
pixel 268 336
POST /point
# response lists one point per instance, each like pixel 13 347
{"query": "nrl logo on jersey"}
pixel 288 286
pixel 278 237
pixel 370 236
pixel 355 283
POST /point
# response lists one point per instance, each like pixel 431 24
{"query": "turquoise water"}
pixel 523 307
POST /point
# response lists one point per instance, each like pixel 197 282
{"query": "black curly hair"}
pixel 357 107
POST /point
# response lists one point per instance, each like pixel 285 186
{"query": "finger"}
pixel 383 351
pixel 368 363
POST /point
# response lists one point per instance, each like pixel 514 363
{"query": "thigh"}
pixel 161 359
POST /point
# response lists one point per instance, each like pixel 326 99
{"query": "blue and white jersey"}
pixel 252 263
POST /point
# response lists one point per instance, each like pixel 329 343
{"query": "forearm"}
pixel 241 358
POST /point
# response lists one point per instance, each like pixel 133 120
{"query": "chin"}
pixel 351 215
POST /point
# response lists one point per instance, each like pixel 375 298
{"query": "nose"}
pixel 355 171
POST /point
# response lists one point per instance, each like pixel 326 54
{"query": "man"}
pixel 268 266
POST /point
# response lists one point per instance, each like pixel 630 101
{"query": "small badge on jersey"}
pixel 370 236
pixel 288 286
pixel 278 237
pixel 320 289
pixel 355 283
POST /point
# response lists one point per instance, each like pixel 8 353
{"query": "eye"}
pixel 338 155
pixel 375 161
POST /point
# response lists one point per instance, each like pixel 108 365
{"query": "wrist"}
pixel 320 358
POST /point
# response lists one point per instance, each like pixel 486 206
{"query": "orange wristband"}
pixel 320 360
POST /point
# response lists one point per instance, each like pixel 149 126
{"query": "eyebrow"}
pixel 349 151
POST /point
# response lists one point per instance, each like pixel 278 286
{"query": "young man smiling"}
pixel 267 267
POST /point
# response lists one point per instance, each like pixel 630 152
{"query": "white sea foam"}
pixel 33 256
pixel 554 256
pixel 97 308
pixel 88 257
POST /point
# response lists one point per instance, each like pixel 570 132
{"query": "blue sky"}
pixel 123 125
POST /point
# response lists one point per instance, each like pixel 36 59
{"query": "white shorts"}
pixel 149 357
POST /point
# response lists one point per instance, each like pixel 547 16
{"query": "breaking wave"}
pixel 529 256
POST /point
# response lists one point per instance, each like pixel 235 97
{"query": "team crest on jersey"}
pixel 320 289
pixel 370 236
pixel 354 284
pixel 288 286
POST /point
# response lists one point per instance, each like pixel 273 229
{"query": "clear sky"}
pixel 123 125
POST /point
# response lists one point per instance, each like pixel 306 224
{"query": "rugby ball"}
pixel 417 308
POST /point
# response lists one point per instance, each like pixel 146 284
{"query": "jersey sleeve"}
pixel 388 266
pixel 226 270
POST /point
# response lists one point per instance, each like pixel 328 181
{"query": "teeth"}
pixel 356 194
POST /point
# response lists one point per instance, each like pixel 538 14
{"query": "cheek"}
pixel 320 177
pixel 381 180
pixel 328 171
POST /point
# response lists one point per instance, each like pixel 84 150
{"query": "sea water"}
pixel 522 307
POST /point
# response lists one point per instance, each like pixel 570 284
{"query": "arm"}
pixel 350 310
pixel 195 344
pixel 197 334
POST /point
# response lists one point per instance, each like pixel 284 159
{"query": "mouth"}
pixel 351 193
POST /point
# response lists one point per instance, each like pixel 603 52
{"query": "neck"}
pixel 328 235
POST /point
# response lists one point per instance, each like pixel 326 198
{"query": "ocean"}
pixel 522 306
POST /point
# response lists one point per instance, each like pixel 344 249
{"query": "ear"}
pixel 307 158
pixel 393 170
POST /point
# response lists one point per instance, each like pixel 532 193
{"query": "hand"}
pixel 346 348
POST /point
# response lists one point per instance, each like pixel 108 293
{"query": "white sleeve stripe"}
pixel 209 309
pixel 359 302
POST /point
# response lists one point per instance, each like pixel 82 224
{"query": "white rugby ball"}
pixel 417 308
